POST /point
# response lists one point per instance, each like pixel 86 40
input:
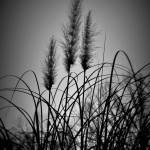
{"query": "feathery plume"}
pixel 49 70
pixel 87 42
pixel 71 31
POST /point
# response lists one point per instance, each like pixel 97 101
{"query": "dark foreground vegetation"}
pixel 104 107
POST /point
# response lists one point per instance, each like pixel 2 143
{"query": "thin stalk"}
pixel 48 116
pixel 66 103
pixel 82 112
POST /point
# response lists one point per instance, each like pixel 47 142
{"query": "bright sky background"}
pixel 26 27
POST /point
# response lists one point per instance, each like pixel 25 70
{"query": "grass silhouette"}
pixel 108 109
pixel 118 119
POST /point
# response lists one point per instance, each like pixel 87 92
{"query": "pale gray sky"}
pixel 26 27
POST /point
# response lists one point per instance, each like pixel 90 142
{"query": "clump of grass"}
pixel 123 111
pixel 77 117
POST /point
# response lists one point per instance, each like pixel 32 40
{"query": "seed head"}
pixel 71 31
pixel 49 69
pixel 87 42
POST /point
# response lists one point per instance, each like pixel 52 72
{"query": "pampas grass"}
pixel 123 111
pixel 108 109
